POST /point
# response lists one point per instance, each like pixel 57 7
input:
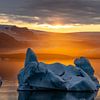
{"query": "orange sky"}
pixel 61 44
pixel 56 26
pixel 60 28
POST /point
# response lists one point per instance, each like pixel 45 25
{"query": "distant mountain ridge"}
pixel 39 55
pixel 16 38
pixel 20 34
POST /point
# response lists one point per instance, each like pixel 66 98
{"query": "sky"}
pixel 64 16
pixel 52 15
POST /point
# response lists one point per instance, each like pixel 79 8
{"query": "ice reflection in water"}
pixel 8 91
pixel 57 96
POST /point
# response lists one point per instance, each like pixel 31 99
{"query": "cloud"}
pixel 52 11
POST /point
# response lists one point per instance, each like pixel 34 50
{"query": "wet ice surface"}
pixel 41 76
pixel 9 92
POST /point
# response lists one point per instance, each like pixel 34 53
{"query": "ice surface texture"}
pixel 40 76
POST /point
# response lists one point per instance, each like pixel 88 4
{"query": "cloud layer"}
pixel 53 11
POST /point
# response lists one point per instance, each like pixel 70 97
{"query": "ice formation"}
pixel 0 81
pixel 40 76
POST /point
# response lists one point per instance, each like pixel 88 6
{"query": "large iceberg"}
pixel 40 76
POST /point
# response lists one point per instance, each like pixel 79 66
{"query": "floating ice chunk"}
pixel 0 81
pixel 40 76
pixel 30 56
pixel 84 64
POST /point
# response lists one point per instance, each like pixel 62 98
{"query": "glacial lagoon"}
pixel 8 91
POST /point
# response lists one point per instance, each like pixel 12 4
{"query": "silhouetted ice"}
pixel 40 76
pixel 0 81
pixel 57 95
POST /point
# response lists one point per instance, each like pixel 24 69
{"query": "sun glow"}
pixel 58 26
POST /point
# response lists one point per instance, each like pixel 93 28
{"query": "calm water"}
pixel 8 91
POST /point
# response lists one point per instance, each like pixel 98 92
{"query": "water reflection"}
pixel 57 95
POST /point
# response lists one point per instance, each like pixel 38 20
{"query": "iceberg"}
pixel 40 76
pixel 0 81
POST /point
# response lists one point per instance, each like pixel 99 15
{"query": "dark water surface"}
pixel 9 92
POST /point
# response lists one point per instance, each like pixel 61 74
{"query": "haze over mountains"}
pixel 15 40
pixel 49 47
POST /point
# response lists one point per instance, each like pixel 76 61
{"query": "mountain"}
pixel 17 39
pixel 8 42
pixel 20 34
pixel 13 37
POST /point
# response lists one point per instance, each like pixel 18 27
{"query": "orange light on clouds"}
pixel 52 27
pixel 57 26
